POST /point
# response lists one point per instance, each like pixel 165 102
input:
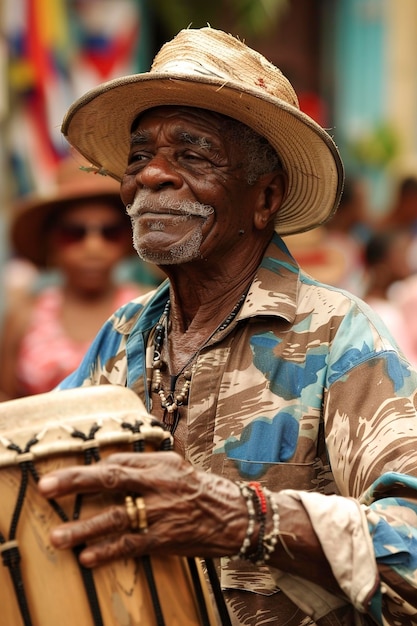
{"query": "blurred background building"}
pixel 352 62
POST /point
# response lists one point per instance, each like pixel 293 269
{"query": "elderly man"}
pixel 292 410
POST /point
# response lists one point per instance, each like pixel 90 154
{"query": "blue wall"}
pixel 359 48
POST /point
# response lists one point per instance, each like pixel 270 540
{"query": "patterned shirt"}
pixel 304 391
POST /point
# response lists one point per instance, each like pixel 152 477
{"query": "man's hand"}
pixel 188 512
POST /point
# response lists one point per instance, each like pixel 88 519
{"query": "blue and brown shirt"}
pixel 307 391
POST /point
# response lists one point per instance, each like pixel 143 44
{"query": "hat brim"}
pixel 99 123
pixel 31 215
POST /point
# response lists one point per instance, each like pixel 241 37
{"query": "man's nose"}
pixel 158 173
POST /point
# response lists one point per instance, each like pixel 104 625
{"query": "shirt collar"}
pixel 275 287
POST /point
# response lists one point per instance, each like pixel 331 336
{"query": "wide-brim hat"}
pixel 213 70
pixel 74 184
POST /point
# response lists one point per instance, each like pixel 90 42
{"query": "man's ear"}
pixel 273 189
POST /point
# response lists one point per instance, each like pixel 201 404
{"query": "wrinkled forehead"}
pixel 186 112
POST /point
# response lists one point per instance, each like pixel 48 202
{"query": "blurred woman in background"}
pixel 82 232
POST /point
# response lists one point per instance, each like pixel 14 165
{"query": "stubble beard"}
pixel 188 249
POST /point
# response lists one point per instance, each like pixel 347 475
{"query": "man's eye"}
pixel 197 157
pixel 136 157
pixel 193 155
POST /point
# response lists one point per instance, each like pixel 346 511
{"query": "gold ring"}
pixel 141 512
pixel 132 512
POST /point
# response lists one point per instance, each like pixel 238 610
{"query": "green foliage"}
pixel 377 146
pixel 249 17
pixel 257 16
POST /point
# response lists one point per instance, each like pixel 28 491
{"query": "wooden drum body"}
pixel 58 429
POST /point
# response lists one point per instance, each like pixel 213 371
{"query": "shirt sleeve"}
pixel 371 436
pixel 105 361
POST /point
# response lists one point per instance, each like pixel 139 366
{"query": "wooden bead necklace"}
pixel 171 402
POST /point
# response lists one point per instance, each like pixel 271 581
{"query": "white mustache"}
pixel 185 208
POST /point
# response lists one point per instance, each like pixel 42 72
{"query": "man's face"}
pixel 186 186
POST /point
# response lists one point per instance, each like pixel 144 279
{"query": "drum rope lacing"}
pixel 9 548
pixel 139 446
pixel 12 557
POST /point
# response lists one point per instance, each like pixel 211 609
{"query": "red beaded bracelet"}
pixel 261 509
pixel 258 499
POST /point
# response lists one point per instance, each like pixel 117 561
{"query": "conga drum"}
pixel 42 586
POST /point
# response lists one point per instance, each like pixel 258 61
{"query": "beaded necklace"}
pixel 171 402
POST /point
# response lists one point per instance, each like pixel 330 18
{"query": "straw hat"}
pixel 32 213
pixel 210 69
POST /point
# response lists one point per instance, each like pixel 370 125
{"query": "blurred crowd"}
pixel 372 256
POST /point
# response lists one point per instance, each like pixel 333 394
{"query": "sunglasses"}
pixel 68 234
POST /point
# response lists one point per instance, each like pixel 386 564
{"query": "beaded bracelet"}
pixel 248 495
pixel 257 499
pixel 261 509
pixel 270 541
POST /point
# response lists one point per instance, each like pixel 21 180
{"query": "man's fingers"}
pixel 111 533
pixel 119 472
pixel 125 546
pixel 81 479
pixel 112 520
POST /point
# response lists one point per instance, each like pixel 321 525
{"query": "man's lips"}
pixel 167 218
pixel 168 209
pixel 167 221
pixel 165 214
